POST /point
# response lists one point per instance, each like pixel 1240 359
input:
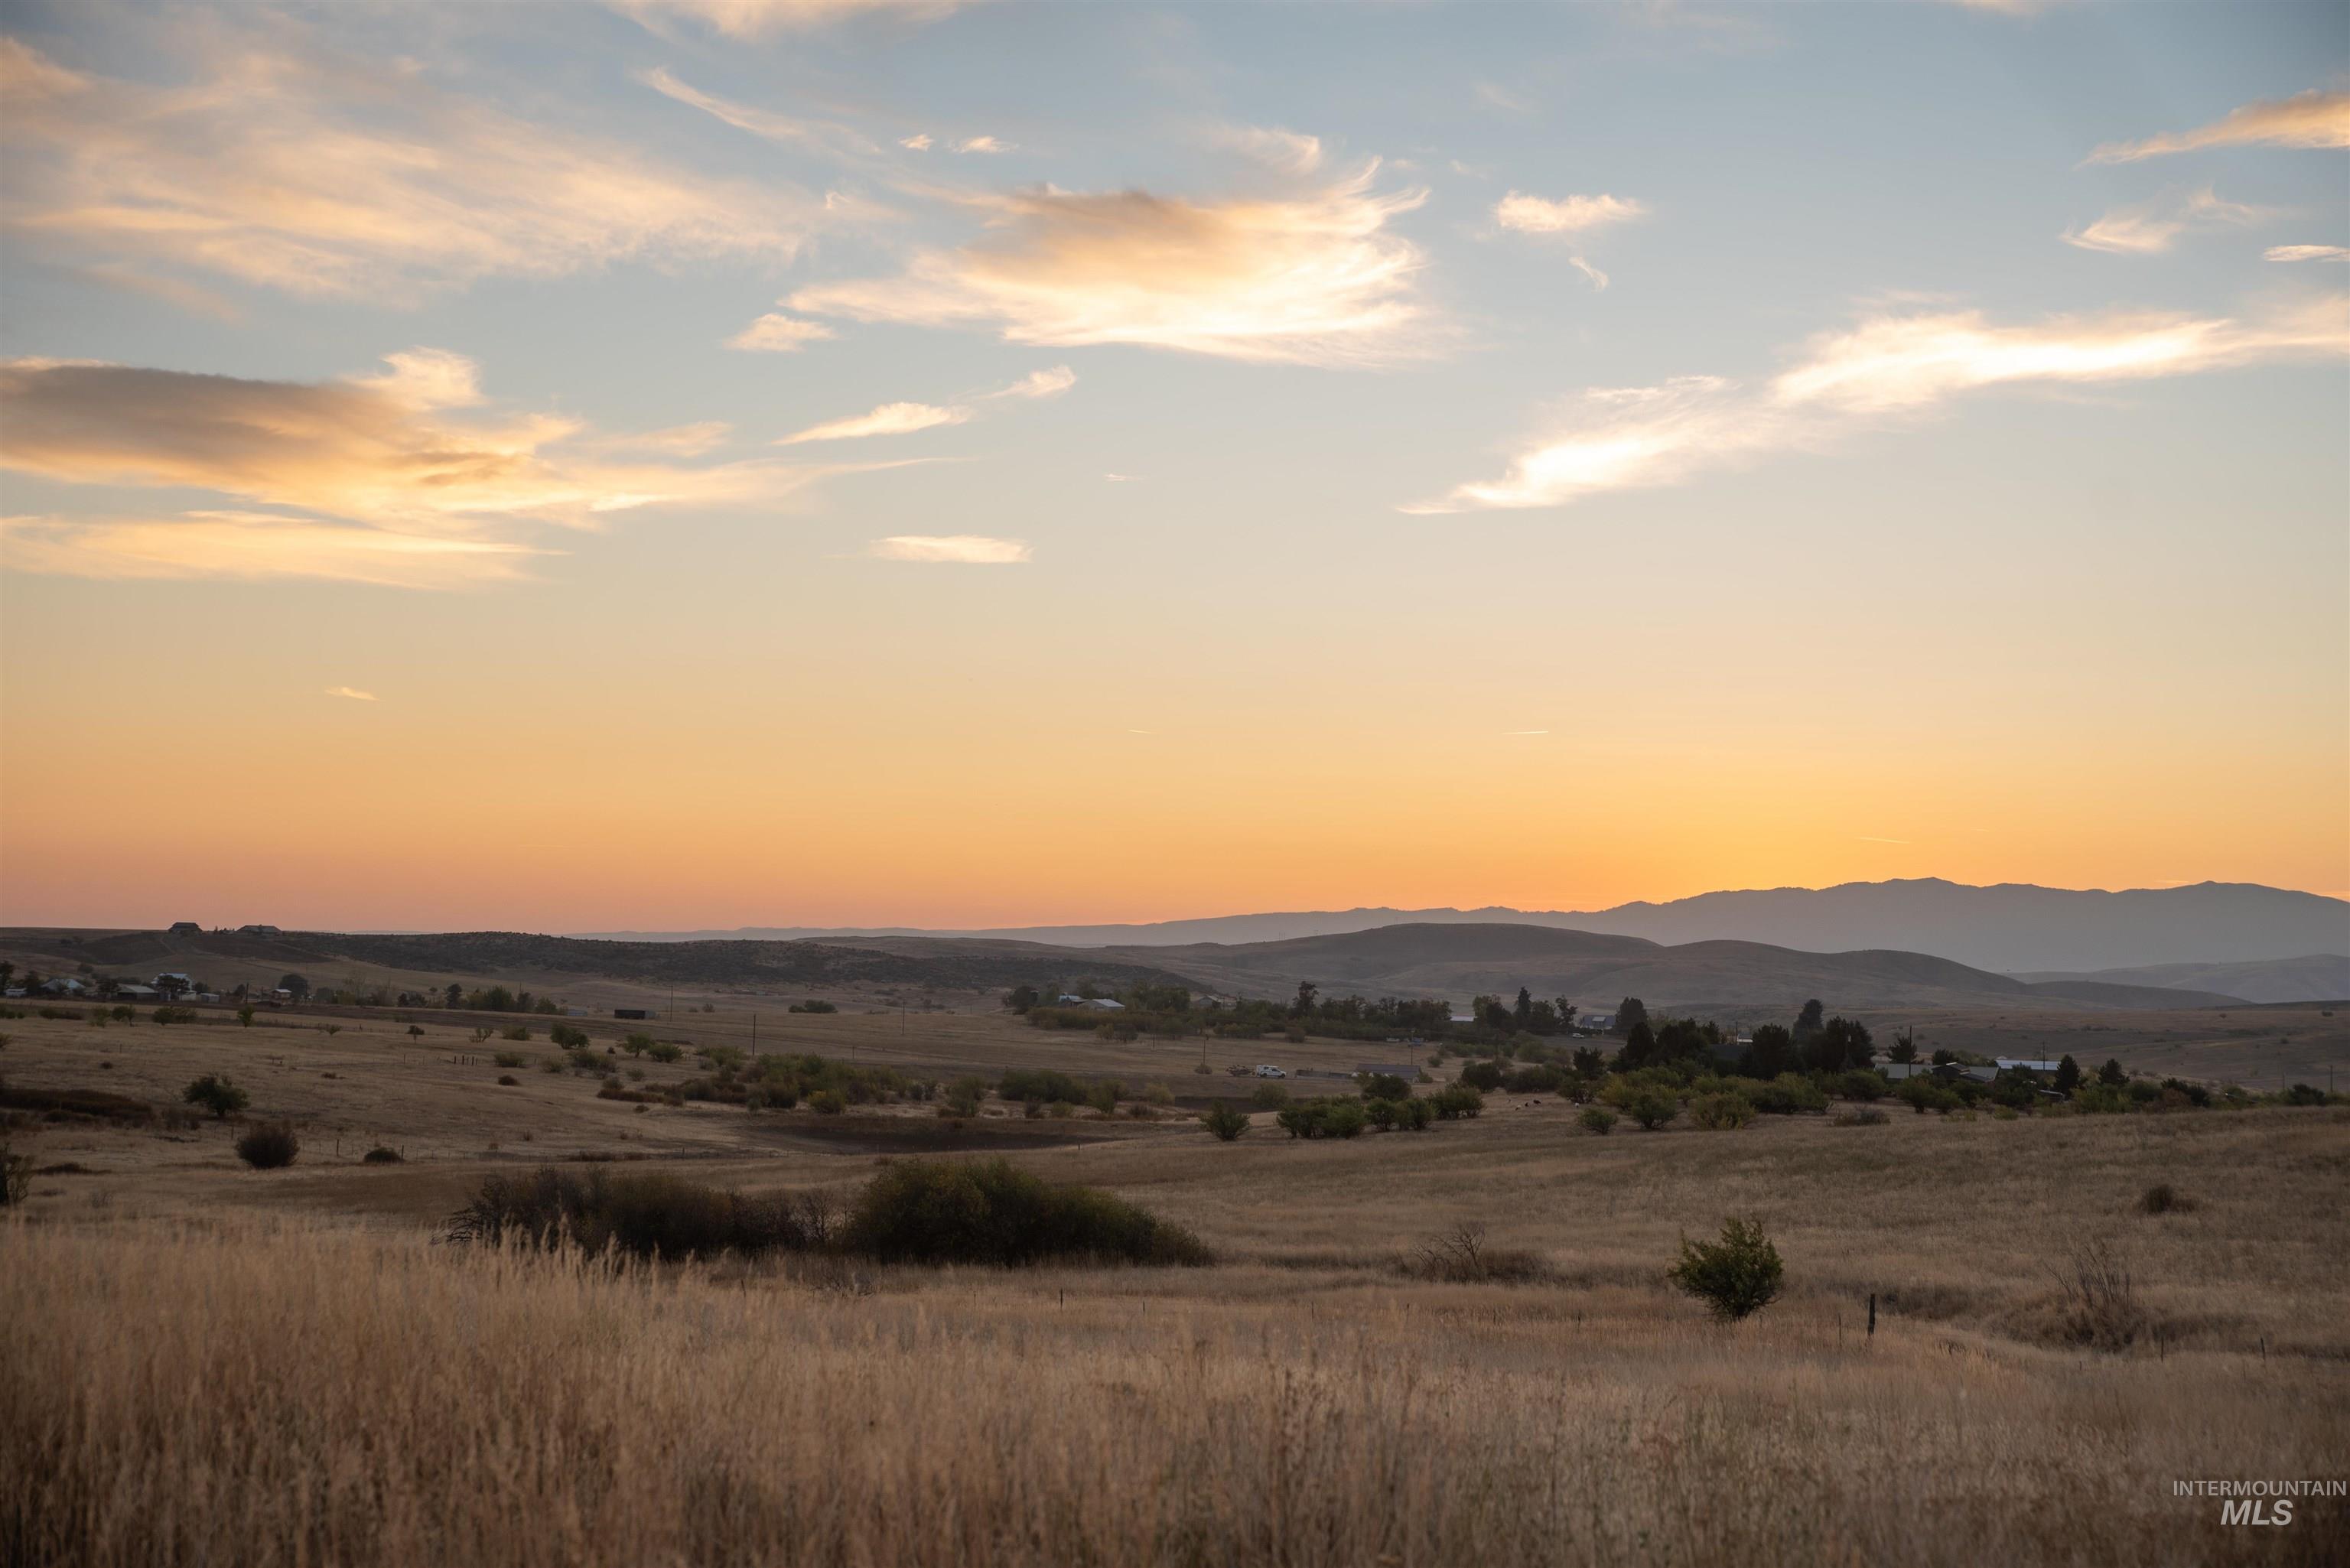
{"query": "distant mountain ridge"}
pixel 2010 928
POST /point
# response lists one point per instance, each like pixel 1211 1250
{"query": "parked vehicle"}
pixel 1271 1072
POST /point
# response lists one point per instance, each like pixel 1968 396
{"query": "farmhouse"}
pixel 63 985
pixel 1101 1004
pixel 258 931
pixel 2025 1064
pixel 136 992
pixel 185 929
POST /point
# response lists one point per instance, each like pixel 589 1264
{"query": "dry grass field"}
pixel 207 1363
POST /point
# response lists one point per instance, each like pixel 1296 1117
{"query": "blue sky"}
pixel 1891 401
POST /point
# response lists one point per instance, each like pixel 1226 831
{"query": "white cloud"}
pixel 1290 152
pixel 1888 369
pixel 1567 215
pixel 889 418
pixel 369 479
pixel 920 142
pixel 2153 227
pixel 254 546
pixel 353 692
pixel 982 144
pixel 347 178
pixel 755 19
pixel 904 418
pixel 952 549
pixel 776 333
pixel 1049 383
pixel 2306 253
pixel 2312 119
pixel 761 122
pixel 1317 278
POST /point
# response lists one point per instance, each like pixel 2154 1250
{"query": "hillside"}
pixel 2319 977
pixel 2010 928
pixel 1595 969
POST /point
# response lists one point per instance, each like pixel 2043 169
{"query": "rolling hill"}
pixel 2320 977
pixel 1729 978
pixel 2009 928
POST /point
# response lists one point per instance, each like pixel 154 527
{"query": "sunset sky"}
pixel 566 466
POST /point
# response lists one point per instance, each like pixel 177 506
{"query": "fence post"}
pixel 1872 1314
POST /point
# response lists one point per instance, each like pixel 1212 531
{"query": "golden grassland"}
pixel 211 1364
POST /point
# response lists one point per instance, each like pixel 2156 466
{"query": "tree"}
pixel 1738 1275
pixel 1631 1014
pixel 1566 1006
pixel 244 1016
pixel 454 996
pixel 1808 1021
pixel 1225 1122
pixel 1905 1046
pixel 2111 1074
pixel 2068 1076
pixel 1639 1048
pixel 1524 1012
pixel 294 985
pixel 416 1032
pixel 1020 998
pixel 1304 1006
pixel 216 1094
pixel 1837 1044
pixel 1589 1064
pixel 1772 1052
pixel 6 969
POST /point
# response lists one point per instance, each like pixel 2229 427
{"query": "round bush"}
pixel 269 1146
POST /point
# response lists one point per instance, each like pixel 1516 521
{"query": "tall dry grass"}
pixel 262 1394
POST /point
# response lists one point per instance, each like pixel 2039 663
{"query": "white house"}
pixel 1103 1004
pixel 2025 1064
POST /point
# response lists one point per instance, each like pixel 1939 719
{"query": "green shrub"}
pixel 812 1005
pixel 637 1042
pixel 1383 1086
pixel 1863 1086
pixel 568 1036
pixel 380 1155
pixel 1039 1084
pixel 665 1051
pixel 519 1032
pixel 174 1015
pixel 651 1214
pixel 825 1103
pixel 1652 1108
pixel 1224 1121
pixel 508 1081
pixel 1103 1096
pixel 964 1094
pixel 1381 1113
pixel 1599 1120
pixel 1344 1118
pixel 2164 1199
pixel 1269 1097
pixel 217 1094
pixel 269 1146
pixel 1788 1094
pixel 1720 1112
pixel 1158 1095
pixel 1735 1276
pixel 511 1059
pixel 990 1211
pixel 1414 1115
pixel 1457 1100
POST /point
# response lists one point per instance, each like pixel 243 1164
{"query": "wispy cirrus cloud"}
pixel 1568 218
pixel 2312 118
pixel 1290 152
pixel 352 692
pixel 763 122
pixel 951 549
pixel 225 546
pixel 2152 227
pixel 905 419
pixel 403 477
pixel 1317 277
pixel 1570 215
pixel 753 19
pixel 340 178
pixel 777 333
pixel 1888 369
pixel 2306 253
